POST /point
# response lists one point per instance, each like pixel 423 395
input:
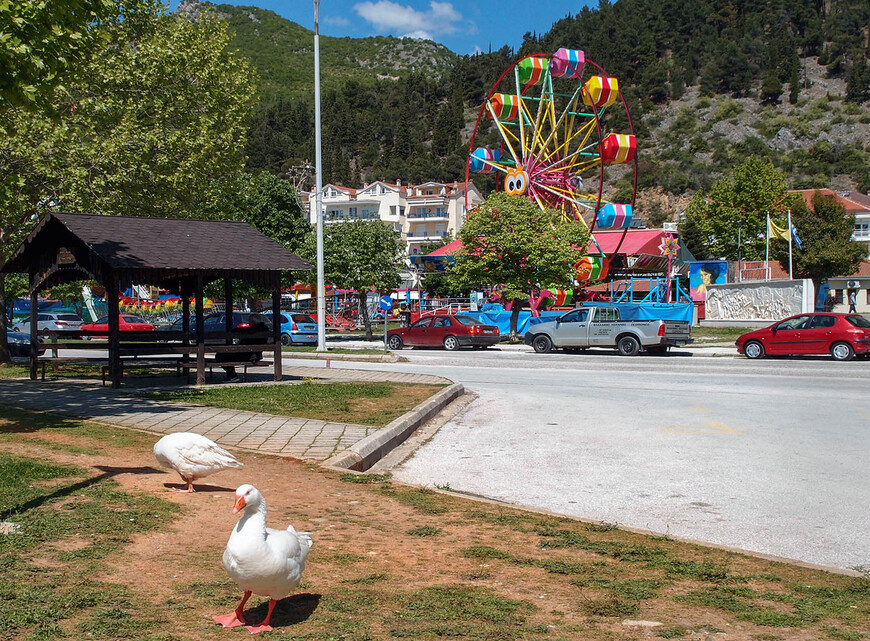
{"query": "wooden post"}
pixel 184 291
pixel 228 308
pixel 34 347
pixel 276 331
pixel 200 331
pixel 114 331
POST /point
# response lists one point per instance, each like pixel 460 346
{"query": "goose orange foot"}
pixel 236 618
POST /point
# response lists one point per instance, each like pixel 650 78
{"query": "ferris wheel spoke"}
pixel 505 133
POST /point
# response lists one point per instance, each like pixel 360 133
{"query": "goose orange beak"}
pixel 240 504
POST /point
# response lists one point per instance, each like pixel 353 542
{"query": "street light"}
pixel 318 199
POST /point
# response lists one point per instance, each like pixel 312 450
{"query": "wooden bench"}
pixel 211 363
pixel 126 363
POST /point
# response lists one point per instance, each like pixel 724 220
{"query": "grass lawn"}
pixel 360 403
pixel 706 334
pixel 100 549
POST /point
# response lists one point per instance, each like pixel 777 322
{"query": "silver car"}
pixel 53 321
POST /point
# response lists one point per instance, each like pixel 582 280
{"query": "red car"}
pixel 451 332
pixel 840 335
pixel 126 323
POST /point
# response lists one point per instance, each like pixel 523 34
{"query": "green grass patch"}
pixel 52 503
pixel 424 530
pixel 364 479
pixel 361 403
pixel 707 334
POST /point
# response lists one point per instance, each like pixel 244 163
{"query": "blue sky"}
pixel 463 26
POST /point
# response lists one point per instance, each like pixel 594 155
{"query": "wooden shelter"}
pixel 181 255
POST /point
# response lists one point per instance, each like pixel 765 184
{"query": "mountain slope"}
pixel 283 52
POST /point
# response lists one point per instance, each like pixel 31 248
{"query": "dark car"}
pixel 450 332
pixel 216 322
pixel 19 344
pixel 840 335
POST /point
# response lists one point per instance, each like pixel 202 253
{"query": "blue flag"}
pixel 796 238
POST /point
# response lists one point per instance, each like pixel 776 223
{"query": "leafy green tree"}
pixel 42 41
pixel 512 244
pixel 364 255
pixel 825 230
pixel 154 125
pixel 736 206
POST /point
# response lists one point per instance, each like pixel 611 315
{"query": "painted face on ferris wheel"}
pixel 516 181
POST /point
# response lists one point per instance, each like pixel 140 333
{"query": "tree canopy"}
pixel 364 255
pixel 512 244
pixel 825 230
pixel 736 208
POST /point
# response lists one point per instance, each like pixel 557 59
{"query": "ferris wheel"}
pixel 560 121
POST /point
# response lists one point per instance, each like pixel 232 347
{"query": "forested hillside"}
pixel 709 83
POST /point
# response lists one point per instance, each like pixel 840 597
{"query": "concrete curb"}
pixel 365 453
pixel 369 358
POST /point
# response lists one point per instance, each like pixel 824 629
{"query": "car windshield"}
pixel 797 322
pixel 102 321
pixel 858 321
pixel 134 319
pixel 303 318
pixel 467 320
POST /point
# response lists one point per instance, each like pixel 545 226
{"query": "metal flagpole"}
pixel 767 249
pixel 790 274
pixel 318 161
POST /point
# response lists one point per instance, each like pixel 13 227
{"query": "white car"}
pixel 56 322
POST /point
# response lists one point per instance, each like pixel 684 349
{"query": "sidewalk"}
pixel 298 437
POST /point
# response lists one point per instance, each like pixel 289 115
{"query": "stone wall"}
pixel 758 300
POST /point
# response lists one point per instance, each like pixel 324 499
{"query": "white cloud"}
pixel 419 35
pixel 441 18
pixel 338 21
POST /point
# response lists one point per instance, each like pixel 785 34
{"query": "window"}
pixel 858 321
pixel 441 322
pixel 352 211
pixel 423 322
pixel 798 322
pixel 575 316
pixel 819 322
pixel 606 314
pixel 862 230
pixel 467 320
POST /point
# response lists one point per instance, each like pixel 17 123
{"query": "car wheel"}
pixel 842 352
pixel 628 346
pixel 395 342
pixel 451 343
pixel 542 344
pixel 753 349
pixel 286 340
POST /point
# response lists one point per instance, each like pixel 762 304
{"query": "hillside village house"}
pixel 421 213
pixel 853 202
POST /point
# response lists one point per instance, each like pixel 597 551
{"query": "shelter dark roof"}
pixel 172 243
pixel 148 250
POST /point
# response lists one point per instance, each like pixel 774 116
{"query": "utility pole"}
pixel 318 199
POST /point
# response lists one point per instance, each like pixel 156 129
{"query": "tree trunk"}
pixel 515 318
pixel 364 314
pixel 5 357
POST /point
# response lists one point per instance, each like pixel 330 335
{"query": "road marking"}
pixel 711 426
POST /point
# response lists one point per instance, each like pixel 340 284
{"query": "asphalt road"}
pixel 769 456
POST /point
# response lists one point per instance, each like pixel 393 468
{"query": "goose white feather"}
pixel 262 560
pixel 193 456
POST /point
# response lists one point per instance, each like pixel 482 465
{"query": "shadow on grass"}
pixel 66 490
pixel 288 611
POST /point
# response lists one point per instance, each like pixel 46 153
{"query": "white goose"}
pixel 193 456
pixel 261 560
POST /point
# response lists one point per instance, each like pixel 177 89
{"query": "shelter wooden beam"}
pixel 200 333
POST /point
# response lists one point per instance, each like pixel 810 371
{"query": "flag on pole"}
pixel 775 231
pixel 797 239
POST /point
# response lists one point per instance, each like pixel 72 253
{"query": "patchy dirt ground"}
pixel 391 561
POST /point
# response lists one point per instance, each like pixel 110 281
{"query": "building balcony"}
pixel 332 218
pixel 427 237
pixel 428 215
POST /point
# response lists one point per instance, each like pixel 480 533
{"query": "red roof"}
pixel 852 202
pixel 448 249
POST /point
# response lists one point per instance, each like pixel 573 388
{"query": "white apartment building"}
pixel 421 213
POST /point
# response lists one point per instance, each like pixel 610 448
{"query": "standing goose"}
pixel 261 560
pixel 193 456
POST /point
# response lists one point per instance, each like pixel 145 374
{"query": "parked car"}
pixel 216 322
pixel 448 331
pixel 126 323
pixel 297 328
pixel 603 326
pixel 57 322
pixel 840 335
pixel 19 344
